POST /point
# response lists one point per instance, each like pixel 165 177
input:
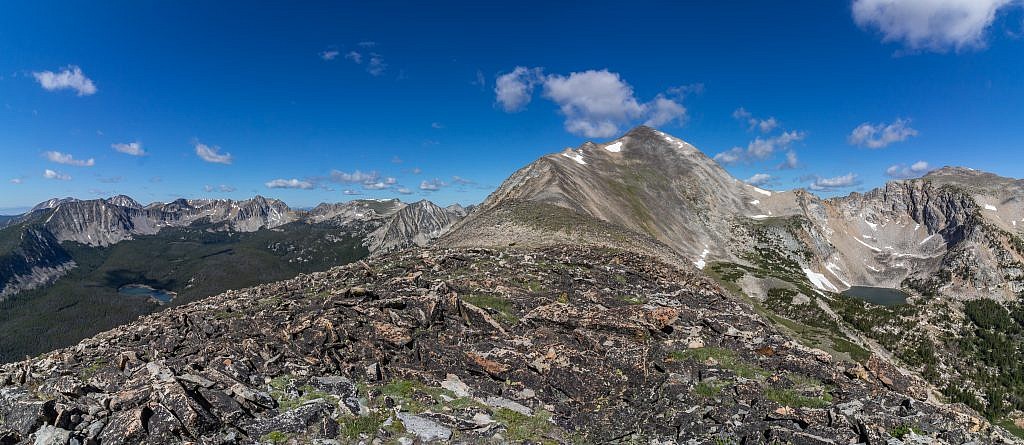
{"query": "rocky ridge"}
pixel 557 344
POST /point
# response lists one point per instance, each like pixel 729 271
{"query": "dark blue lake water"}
pixel 877 295
pixel 141 290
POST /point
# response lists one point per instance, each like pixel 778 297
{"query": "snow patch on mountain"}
pixel 575 156
pixel 819 281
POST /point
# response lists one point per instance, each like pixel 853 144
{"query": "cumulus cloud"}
pixel 595 103
pixel 69 78
pixel 462 181
pixel 52 174
pixel 763 125
pixel 330 54
pixel 375 186
pixel 933 25
pixel 354 56
pixel 404 191
pixel 881 135
pixel 218 188
pixel 130 148
pixel 67 159
pixel 759 148
pixel 289 184
pixel 839 182
pixel 17 181
pixel 212 154
pixel 791 162
pixel 900 171
pixel 432 185
pixel 760 179
pixel 354 177
pixel 514 90
pixel 663 110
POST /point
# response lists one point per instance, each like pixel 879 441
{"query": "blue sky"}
pixel 456 96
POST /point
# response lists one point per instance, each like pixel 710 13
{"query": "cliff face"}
pixel 559 344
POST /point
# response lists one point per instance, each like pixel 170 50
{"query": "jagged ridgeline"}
pixel 624 292
pixel 63 263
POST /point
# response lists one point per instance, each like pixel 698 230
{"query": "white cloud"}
pixel 760 179
pixel 433 185
pixel 375 186
pixel 212 154
pixel 436 125
pixel 354 177
pixel 839 182
pixel 67 159
pixel 594 103
pixel 404 191
pixel 759 148
pixel 480 81
pixel 791 161
pixel 351 192
pixel 881 135
pixel 514 90
pixel 663 110
pixel 462 181
pixel 354 56
pixel 130 148
pixel 376 65
pixel 69 78
pixel 17 181
pixel 763 125
pixel 900 171
pixel 219 188
pixel 330 54
pixel 289 184
pixel 935 25
pixel 51 174
pixel 416 170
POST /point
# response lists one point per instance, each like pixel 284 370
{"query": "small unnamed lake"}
pixel 882 296
pixel 141 290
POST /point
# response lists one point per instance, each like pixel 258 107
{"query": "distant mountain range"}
pixel 190 247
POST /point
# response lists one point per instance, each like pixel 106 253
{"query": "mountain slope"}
pixel 645 181
pixel 468 346
pixel 951 240
pixel 414 225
